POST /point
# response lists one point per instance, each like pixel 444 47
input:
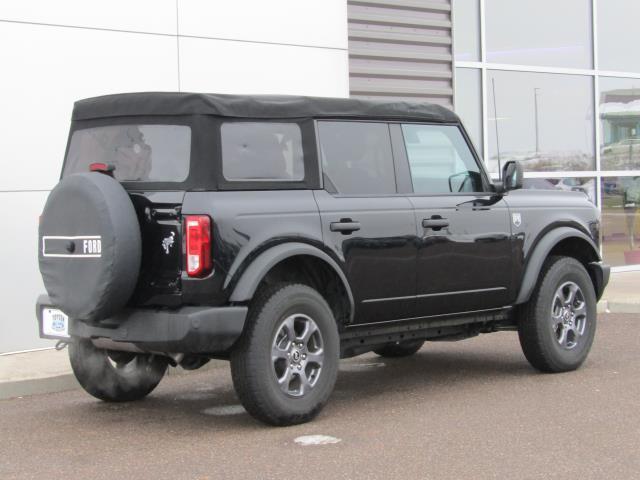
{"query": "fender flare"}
pixel 541 252
pixel 260 266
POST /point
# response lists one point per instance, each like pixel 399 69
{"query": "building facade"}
pixel 552 84
pixel 556 85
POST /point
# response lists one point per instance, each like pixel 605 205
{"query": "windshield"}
pixel 140 153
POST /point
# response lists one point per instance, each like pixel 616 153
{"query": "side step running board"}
pixel 358 339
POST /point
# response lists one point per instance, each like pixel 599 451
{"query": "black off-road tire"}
pixel 134 376
pixel 539 340
pixel 252 367
pixel 400 349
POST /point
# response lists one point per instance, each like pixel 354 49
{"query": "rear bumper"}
pixel 600 274
pixel 203 330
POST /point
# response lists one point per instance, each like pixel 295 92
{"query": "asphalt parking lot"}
pixel 472 409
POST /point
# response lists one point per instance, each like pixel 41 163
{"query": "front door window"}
pixel 440 160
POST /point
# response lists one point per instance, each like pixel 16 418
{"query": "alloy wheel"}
pixel 568 315
pixel 297 354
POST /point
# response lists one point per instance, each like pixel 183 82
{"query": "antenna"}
pixel 495 114
pixel 536 91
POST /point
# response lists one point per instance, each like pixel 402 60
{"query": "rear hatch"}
pixel 152 162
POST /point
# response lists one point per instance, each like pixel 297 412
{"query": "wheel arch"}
pixel 563 241
pixel 294 261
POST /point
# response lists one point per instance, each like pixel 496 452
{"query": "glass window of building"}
pixel 466 35
pixel 543 120
pixel 469 102
pixel 540 32
pixel 618 35
pixel 620 123
pixel 620 222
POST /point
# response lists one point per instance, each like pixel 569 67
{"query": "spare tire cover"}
pixel 90 247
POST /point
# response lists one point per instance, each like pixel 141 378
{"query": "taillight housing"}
pixel 198 243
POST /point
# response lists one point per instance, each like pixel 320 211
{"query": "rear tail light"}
pixel 198 235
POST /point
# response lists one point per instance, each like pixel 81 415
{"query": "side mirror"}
pixel 512 176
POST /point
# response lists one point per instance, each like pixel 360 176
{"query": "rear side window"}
pixel 262 151
pixel 440 160
pixel 357 158
pixel 146 153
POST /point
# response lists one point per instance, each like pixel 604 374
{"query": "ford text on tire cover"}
pixel 284 233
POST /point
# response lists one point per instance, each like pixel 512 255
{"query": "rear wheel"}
pixel 558 325
pixel 115 376
pixel 285 365
pixel 399 349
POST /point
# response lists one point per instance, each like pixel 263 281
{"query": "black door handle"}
pixel 345 225
pixel 435 223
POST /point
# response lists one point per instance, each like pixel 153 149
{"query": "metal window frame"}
pixel 595 73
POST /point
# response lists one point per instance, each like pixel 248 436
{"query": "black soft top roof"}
pixel 255 106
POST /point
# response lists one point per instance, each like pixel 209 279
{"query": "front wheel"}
pixel 285 365
pixel 558 324
pixel 115 376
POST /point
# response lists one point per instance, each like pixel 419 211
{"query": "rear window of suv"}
pixel 262 151
pixel 140 153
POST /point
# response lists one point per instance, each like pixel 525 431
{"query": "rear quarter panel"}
pixel 246 223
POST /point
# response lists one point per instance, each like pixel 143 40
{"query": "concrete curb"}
pixel 62 383
pixel 36 386
pixel 619 304
pixel 614 306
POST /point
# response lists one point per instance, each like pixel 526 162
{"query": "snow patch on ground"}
pixel 307 440
pixel 224 410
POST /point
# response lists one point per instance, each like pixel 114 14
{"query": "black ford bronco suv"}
pixel 284 233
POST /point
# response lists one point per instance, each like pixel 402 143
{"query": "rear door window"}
pixel 262 151
pixel 140 153
pixel 357 158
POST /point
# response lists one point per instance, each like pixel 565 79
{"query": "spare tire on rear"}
pixel 90 246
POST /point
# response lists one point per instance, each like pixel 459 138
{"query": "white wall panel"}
pixel 223 66
pixel 299 22
pixel 20 282
pixel 45 69
pixel 157 16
